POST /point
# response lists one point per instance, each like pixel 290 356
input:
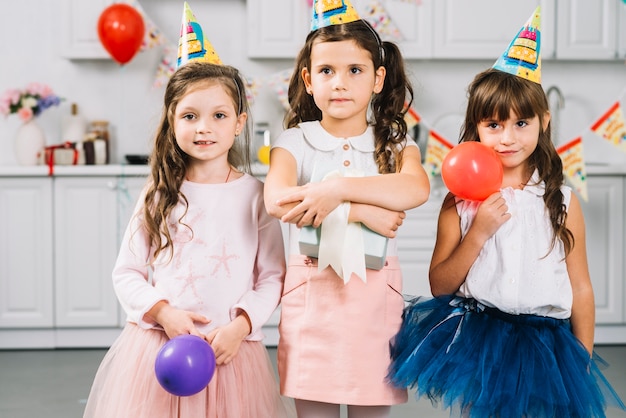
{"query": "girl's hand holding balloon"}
pixel 492 213
pixel 227 339
pixel 177 322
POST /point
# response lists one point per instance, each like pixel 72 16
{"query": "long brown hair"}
pixel 388 107
pixel 494 94
pixel 168 163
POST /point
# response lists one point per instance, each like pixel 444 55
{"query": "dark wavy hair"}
pixel 388 107
pixel 494 94
pixel 168 163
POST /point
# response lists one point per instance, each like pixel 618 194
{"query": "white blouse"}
pixel 315 149
pixel 516 272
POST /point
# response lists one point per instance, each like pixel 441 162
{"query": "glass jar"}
pixel 99 129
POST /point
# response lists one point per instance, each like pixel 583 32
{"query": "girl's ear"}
pixel 241 122
pixel 546 120
pixel 306 77
pixel 379 80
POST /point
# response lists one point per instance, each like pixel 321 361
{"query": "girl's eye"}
pixel 492 125
pixel 188 116
pixel 220 116
pixel 355 70
pixel 522 123
pixel 325 71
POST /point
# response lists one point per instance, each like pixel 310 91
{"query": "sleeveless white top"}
pixel 516 272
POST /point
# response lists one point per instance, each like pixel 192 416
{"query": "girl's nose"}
pixel 202 127
pixel 508 137
pixel 338 82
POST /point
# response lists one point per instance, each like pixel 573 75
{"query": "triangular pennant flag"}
pixel 280 83
pixel 166 67
pixel 153 36
pixel 377 16
pixel 523 56
pixel 436 150
pixel 574 165
pixel 611 127
pixel 411 118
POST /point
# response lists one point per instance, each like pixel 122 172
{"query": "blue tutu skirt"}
pixel 481 362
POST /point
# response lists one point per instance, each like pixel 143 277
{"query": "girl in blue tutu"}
pixel 510 330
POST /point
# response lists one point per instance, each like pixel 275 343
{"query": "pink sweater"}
pixel 231 257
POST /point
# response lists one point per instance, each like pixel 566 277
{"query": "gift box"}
pixel 375 245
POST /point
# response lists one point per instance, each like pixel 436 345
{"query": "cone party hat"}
pixel 523 56
pixel 193 44
pixel 332 12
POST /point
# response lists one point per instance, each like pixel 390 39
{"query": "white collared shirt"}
pixel 516 271
pixel 312 146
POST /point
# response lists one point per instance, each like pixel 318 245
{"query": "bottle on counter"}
pixel 99 133
pixel 74 126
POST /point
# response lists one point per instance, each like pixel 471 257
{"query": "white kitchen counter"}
pixel 142 170
pixel 93 170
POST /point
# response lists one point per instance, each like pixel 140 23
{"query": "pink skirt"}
pixel 334 338
pixel 126 386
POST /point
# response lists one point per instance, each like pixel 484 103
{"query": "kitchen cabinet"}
pixel 26 266
pixel 79 29
pixel 604 219
pixel 416 241
pixel 276 28
pixel 590 30
pixel 457 29
pixel 60 238
pixel 484 28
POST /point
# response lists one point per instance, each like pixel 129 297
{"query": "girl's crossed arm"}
pixel 311 203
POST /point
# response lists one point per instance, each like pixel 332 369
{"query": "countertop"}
pixel 92 170
pixel 143 170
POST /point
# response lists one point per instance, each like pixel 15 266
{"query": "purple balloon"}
pixel 185 365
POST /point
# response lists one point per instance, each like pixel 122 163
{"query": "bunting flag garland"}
pixel 574 165
pixel 611 126
pixel 153 36
pixel 376 15
pixel 436 150
pixel 280 84
pixel 166 66
pixel 252 88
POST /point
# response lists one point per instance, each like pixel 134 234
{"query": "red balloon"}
pixel 121 31
pixel 472 171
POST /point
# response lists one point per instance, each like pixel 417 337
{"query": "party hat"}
pixel 192 44
pixel 523 56
pixel 332 12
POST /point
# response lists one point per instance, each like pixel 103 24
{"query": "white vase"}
pixel 29 142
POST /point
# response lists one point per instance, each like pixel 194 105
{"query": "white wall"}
pixel 29 50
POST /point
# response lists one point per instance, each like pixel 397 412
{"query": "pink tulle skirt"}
pixel 126 386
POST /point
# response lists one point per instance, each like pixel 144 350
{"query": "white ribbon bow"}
pixel 341 242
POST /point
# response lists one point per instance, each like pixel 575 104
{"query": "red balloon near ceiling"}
pixel 121 30
pixel 472 171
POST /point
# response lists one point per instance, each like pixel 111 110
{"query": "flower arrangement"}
pixel 29 102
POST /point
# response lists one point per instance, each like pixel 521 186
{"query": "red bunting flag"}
pixel 574 165
pixel 436 150
pixel 611 127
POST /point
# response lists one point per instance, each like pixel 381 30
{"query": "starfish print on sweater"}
pixel 182 234
pixel 222 260
pixel 190 283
